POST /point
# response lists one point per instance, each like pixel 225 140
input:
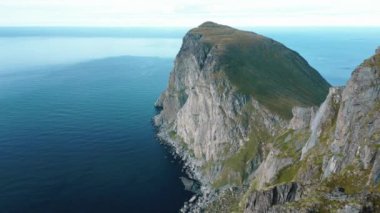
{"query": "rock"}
pixel 325 114
pixel 190 185
pixel 269 169
pixel 350 209
pixel 302 117
pixel 192 199
pixel 337 194
pixel 358 121
pixel 227 112
pixel 264 201
pixel 205 110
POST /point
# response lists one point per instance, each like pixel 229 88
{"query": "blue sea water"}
pixel 75 113
pixel 78 138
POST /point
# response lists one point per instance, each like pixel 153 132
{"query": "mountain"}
pixel 261 130
pixel 276 76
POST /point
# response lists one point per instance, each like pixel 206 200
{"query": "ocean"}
pixel 76 106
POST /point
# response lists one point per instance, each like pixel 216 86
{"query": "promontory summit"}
pixel 260 130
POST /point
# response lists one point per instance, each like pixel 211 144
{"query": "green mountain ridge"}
pixel 276 76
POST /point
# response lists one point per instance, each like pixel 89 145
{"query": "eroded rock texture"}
pixel 262 131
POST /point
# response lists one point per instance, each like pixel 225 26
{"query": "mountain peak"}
pixel 210 24
pixel 222 35
pixel 276 76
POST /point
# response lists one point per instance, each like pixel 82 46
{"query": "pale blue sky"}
pixel 189 12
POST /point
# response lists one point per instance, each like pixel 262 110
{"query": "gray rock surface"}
pixel 268 170
pixel 302 117
pixel 204 111
pixel 357 132
pixel 265 201
pixel 229 139
pixel 325 114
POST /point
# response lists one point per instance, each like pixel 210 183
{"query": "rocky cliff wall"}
pixel 247 155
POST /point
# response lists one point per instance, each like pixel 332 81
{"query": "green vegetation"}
pixel 354 183
pixel 227 177
pixel 291 142
pixel 228 202
pixel 235 168
pixel 374 61
pixel 375 109
pixel 253 186
pixel 328 131
pixel 287 174
pixel 352 179
pixel 173 135
pixel 276 76
pixel 318 204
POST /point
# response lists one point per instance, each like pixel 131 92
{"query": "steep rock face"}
pixel 339 163
pixel 266 201
pixel 326 114
pixel 200 105
pixel 357 132
pixel 302 117
pixel 229 96
pixel 206 111
pixel 241 110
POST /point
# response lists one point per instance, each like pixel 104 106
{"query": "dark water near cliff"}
pixel 76 133
pixel 79 138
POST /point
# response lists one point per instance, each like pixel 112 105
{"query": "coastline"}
pixel 204 195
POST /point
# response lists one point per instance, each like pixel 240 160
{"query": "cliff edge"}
pixel 262 131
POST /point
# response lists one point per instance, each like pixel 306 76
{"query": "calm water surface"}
pixel 79 138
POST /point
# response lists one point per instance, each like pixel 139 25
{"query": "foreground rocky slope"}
pixel 244 113
pixel 338 166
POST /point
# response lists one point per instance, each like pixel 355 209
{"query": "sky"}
pixel 185 13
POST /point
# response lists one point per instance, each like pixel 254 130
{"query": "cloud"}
pixel 189 13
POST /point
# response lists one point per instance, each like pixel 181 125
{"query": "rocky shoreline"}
pixel 204 194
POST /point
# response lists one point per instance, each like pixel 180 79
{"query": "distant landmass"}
pixel 262 131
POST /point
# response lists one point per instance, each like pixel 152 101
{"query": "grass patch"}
pixel 235 167
pixel 228 202
pixel 227 177
pixel 173 134
pixel 374 61
pixel 291 142
pixel 352 179
pixel 276 76
pixel 287 174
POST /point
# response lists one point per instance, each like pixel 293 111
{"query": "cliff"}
pixel 337 169
pixel 242 111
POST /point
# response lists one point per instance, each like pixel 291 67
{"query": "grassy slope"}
pixel 373 61
pixel 276 76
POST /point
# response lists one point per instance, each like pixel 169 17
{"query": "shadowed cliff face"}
pixel 227 113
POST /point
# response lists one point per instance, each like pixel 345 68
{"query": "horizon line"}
pixel 163 26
